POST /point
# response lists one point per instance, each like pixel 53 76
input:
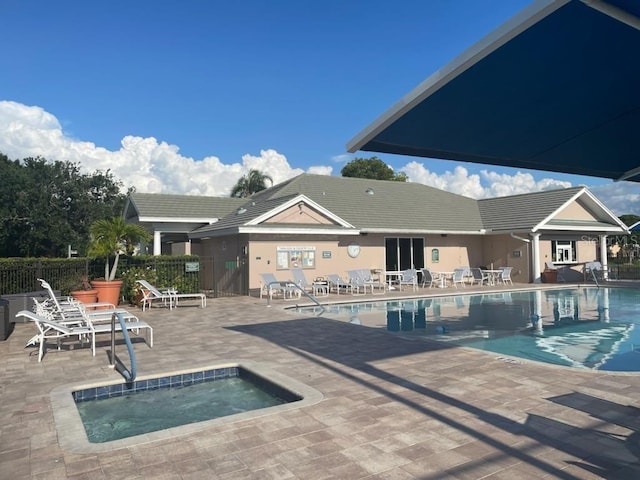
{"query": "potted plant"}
pixel 85 293
pixel 111 238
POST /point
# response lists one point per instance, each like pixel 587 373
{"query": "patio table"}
pixel 493 275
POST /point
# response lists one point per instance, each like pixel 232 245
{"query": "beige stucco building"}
pixel 326 224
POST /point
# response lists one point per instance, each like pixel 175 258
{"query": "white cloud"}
pixel 485 185
pixel 149 165
pixel 158 167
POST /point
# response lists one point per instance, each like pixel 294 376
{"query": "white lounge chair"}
pixel 168 296
pixel 272 286
pixel 51 330
pixel 336 283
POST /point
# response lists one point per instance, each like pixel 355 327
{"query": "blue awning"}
pixel 556 88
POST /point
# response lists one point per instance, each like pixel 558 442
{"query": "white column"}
pixel 535 257
pixel 603 257
pixel 157 248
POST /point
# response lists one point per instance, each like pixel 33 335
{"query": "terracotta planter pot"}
pixel 85 296
pixel 108 291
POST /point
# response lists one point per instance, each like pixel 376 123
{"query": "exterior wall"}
pixel 454 251
pixel 506 251
pixel 300 214
pixel 574 211
pixel 330 255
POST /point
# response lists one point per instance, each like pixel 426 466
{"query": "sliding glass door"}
pixel 403 253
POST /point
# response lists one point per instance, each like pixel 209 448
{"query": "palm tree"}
pixel 114 237
pixel 252 182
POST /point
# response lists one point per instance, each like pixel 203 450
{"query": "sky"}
pixel 186 97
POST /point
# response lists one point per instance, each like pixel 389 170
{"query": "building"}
pixel 327 224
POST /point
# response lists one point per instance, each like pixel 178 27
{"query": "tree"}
pixel 252 182
pixel 114 237
pixel 46 206
pixel 373 168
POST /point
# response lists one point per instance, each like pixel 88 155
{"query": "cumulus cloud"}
pixel 149 165
pixel 487 184
pixel 154 166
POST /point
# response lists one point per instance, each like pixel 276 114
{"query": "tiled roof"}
pixel 390 206
pixel 522 212
pixel 181 206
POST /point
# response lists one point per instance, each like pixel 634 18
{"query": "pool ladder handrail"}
pixel 129 375
pixel 303 292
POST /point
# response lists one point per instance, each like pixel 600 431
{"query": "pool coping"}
pixel 72 436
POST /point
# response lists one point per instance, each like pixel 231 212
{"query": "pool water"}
pixel 589 328
pixel 174 402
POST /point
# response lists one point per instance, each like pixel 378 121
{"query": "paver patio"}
pixel 392 408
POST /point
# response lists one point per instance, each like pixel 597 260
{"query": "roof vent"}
pixel 369 191
pixel 241 210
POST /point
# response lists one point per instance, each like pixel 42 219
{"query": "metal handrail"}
pixel 129 375
pixel 293 284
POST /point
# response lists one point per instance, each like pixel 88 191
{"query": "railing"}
pixel 128 374
pixel 299 288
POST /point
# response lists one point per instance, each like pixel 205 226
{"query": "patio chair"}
pixel 409 277
pixel 428 278
pixel 169 296
pixel 271 286
pixel 477 275
pixel 505 276
pixel 458 277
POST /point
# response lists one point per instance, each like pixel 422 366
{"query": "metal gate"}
pixel 224 278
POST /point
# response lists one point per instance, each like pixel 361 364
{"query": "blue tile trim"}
pixel 97 393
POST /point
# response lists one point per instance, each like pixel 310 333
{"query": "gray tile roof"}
pixel 393 206
pixel 390 207
pixel 522 212
pixel 181 206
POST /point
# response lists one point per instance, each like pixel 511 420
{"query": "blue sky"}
pixel 184 97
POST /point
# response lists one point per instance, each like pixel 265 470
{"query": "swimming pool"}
pixel 582 327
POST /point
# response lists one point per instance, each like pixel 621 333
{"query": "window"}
pixel 563 251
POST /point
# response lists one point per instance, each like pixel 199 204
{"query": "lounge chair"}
pixel 356 282
pixel 549 266
pixel 168 296
pixel 336 283
pixel 271 286
pixel 300 279
pixel 51 330
pixel 372 282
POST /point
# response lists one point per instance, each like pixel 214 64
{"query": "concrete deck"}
pixel 391 408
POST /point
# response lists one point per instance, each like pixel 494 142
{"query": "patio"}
pixel 393 408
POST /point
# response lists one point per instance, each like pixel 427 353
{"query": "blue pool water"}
pixel 587 327
pixel 121 411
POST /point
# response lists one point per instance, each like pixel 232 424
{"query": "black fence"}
pixel 188 274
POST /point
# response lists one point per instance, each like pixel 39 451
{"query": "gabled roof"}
pixel 531 212
pixel 555 89
pixel 154 207
pixel 368 205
